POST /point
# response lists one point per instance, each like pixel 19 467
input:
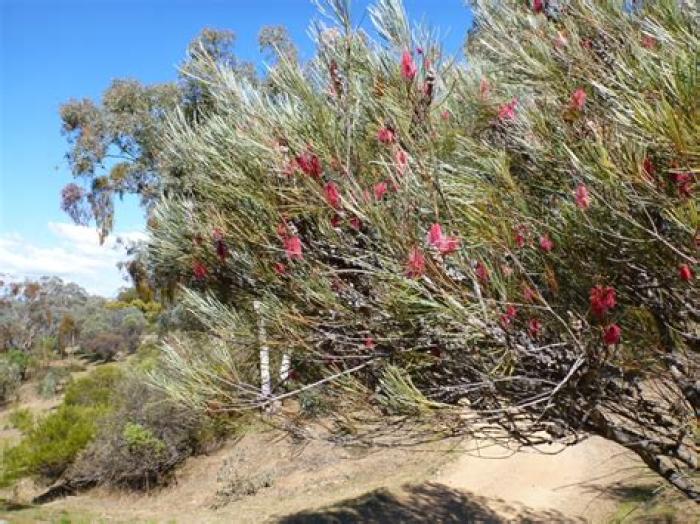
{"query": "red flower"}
pixel 482 272
pixel 520 239
pixel 386 135
pixel 221 248
pixel 445 245
pixel 408 66
pixel 611 335
pixel 280 268
pixel 292 246
pixel 546 243
pixel 686 273
pixel 336 220
pixel 602 300
pixel 369 343
pixel 534 326
pixel 416 263
pixel 356 223
pixel 401 158
pixel 529 294
pixel 507 111
pixel 310 164
pixel 380 190
pixel 199 270
pixel 578 99
pixel 332 195
pixel 445 115
pixel 648 166
pixel 538 6
pixel 583 199
pixel 684 183
pixel 508 316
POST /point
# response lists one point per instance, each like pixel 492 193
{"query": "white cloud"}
pixel 76 255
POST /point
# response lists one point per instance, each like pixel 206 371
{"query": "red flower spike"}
pixel 293 248
pixel 444 244
pixel 520 239
pixel 310 164
pixel 408 66
pixel 529 294
pixel 356 223
pixel 332 195
pixel 578 99
pixel 401 158
pixel 280 268
pixel 386 135
pixel 685 273
pixel 684 183
pixel 546 243
pixel 199 270
pixel 583 199
pixel 369 343
pixel 507 111
pixel 611 335
pixel 602 300
pixel 538 6
pixel 534 326
pixel 445 115
pixel 380 190
pixel 416 263
pixel 336 221
pixel 482 272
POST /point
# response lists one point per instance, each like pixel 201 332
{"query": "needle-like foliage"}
pixel 512 242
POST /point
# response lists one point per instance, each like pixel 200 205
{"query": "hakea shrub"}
pixel 517 260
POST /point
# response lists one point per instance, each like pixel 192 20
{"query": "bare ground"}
pixel 268 477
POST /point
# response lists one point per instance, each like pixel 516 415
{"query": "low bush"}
pixel 50 444
pixel 140 443
pixel 53 380
pixel 10 379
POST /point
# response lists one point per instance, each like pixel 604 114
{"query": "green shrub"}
pixel 51 444
pixel 141 439
pixel 140 443
pixel 95 389
pixel 10 379
pixel 21 419
pixel 52 381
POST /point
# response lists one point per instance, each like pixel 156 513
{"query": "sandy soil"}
pixel 267 477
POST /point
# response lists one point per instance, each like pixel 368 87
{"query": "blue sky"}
pixel 53 50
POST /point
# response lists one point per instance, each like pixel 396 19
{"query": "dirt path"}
pixel 266 477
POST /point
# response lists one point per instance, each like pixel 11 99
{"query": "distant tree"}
pixel 115 144
pixel 67 332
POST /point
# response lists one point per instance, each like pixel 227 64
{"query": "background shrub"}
pixel 140 443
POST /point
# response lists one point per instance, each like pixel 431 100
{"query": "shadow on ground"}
pixel 425 503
